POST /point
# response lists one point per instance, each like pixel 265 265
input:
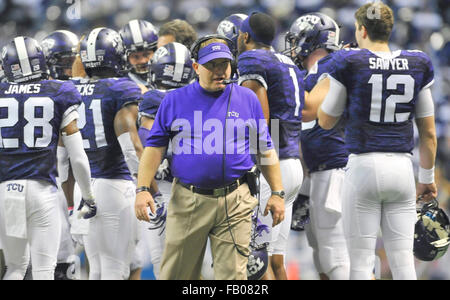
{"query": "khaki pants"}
pixel 192 218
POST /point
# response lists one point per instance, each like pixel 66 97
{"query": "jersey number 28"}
pixel 29 108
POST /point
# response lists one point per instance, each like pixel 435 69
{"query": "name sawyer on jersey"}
pixel 378 63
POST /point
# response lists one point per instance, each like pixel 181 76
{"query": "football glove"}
pixel 158 219
pixel 87 209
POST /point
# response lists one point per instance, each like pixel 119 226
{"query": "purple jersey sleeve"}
pixel 125 91
pixel 68 98
pixel 160 132
pixel 150 103
pixel 251 68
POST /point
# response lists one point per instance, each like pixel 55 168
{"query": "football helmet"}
pixel 102 48
pixel 60 51
pixel 310 32
pixel 300 213
pixel 432 232
pixel 230 26
pixel 258 260
pixel 24 60
pixel 138 35
pixel 171 66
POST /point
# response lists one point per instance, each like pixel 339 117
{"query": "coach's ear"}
pixel 195 66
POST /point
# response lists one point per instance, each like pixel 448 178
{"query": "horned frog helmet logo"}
pixel 162 51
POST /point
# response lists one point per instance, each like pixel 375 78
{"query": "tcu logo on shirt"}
pixel 14 187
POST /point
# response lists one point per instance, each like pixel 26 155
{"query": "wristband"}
pixel 143 189
pixel 426 176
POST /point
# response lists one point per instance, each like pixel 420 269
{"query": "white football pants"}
pixel 111 240
pixel 152 238
pixel 29 224
pixel 379 191
pixel 292 178
pixel 325 232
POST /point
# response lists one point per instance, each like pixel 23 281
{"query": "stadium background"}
pixel 420 24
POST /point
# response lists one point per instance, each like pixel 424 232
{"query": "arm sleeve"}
pixel 129 152
pixel 63 163
pixel 424 105
pixel 336 99
pixel 80 163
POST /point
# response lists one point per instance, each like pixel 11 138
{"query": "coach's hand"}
pixel 144 200
pixel 276 206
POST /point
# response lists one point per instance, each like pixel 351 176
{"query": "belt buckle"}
pixel 220 192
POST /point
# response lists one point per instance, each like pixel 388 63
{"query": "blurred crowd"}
pixel 420 24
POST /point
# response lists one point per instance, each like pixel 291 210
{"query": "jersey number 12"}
pixel 376 80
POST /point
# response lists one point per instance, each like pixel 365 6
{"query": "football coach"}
pixel 210 194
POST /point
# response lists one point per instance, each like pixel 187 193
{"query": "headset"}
pixel 196 47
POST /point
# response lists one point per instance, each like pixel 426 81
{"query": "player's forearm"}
pixel 427 142
pixel 129 152
pixel 68 187
pixel 326 121
pixel 269 165
pixel 149 163
pixel 80 163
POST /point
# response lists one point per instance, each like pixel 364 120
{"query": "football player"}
pixel 279 85
pixel 310 40
pixel 139 39
pixel 230 26
pixel 170 68
pixel 380 92
pixel 60 48
pixel 34 111
pixel 108 115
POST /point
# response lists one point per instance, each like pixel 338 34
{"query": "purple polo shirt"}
pixel 194 119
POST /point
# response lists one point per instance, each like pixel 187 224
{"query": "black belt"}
pixel 218 192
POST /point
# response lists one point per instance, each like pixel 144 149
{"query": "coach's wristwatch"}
pixel 142 189
pixel 280 194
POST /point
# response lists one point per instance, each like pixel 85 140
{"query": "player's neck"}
pixel 315 56
pixel 377 46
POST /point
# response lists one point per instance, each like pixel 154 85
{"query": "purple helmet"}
pixel 230 26
pixel 139 35
pixel 24 60
pixel 310 32
pixel 102 48
pixel 60 51
pixel 171 66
